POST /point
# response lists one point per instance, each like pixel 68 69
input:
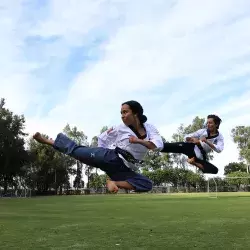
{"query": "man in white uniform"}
pixel 198 144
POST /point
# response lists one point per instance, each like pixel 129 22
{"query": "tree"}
pixel 97 181
pixel 63 168
pixel 48 168
pixel 157 176
pixel 179 159
pixel 241 136
pixel 103 129
pixel 235 167
pixel 94 141
pixel 221 184
pixel 80 138
pixel 151 161
pixel 195 180
pixel 239 178
pixel 154 159
pixel 196 124
pixel 12 151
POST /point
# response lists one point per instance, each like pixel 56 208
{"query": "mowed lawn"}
pixel 125 222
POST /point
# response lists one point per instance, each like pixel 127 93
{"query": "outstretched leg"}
pixel 105 159
pixel 182 148
pixel 96 157
pixel 179 148
pixel 188 149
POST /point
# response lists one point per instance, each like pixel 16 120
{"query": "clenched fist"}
pixel 133 139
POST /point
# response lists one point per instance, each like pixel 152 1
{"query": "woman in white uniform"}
pixel 120 150
pixel 198 144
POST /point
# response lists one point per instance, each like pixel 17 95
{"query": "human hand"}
pixel 109 130
pixel 133 139
pixel 204 139
pixel 195 140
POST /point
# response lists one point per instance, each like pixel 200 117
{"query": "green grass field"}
pixel 126 222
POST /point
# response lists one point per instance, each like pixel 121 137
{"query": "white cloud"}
pixel 15 73
pixel 170 55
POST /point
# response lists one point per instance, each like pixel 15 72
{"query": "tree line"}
pixel 26 164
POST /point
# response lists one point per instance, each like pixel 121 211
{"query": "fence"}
pixel 213 187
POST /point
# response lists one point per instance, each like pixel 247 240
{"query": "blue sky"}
pixel 76 61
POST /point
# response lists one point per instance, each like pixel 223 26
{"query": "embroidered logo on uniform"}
pixel 92 155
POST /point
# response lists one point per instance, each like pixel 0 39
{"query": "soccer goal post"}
pixel 212 188
pixel 228 186
pixel 24 193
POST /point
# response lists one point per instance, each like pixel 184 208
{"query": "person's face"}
pixel 128 117
pixel 211 124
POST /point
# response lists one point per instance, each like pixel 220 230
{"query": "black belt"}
pixel 204 154
pixel 127 156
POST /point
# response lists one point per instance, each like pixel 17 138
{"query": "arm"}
pixel 211 145
pixel 217 147
pixel 147 144
pixel 155 140
pixel 193 137
pixel 107 138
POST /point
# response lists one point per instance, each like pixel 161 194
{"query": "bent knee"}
pixel 148 186
pixel 215 171
pixel 141 184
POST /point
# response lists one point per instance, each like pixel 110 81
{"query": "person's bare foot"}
pixel 38 137
pixel 198 165
pixel 112 186
pixel 193 162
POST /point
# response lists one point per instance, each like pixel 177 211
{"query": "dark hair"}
pixel 137 109
pixel 216 119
